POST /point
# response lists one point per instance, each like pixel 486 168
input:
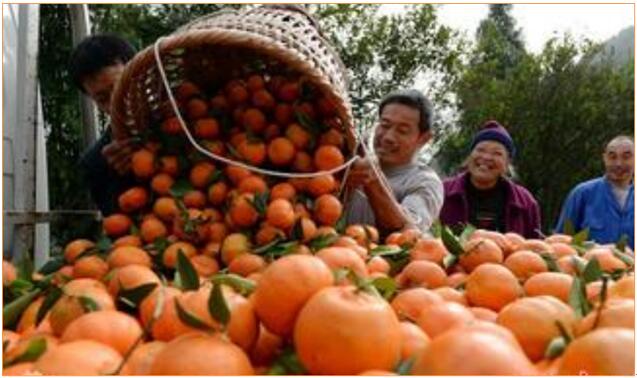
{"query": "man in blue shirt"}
pixel 605 205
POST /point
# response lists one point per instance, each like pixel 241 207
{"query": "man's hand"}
pixel 118 154
pixel 361 174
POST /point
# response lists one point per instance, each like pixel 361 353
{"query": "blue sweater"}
pixel 592 205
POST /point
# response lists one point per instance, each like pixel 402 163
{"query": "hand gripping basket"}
pixel 212 49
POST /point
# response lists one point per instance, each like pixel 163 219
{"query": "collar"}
pixel 457 188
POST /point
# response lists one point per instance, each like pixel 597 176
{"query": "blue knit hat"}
pixel 492 130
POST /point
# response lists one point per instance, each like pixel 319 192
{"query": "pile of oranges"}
pixel 209 269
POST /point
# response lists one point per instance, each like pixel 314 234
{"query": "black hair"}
pixel 95 53
pixel 414 99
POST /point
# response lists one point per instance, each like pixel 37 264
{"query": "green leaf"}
pixel 287 364
pixel 386 287
pixel 436 229
pixel 241 285
pixel 622 243
pixel 340 274
pixel 449 260
pixel 187 273
pixel 34 350
pixel 266 247
pixel 104 244
pixel 297 231
pixel 24 267
pixel 137 294
pixel 397 265
pixel 322 241
pixel 180 188
pixel 307 123
pixel 569 228
pixel 404 366
pixel 341 223
pixel 626 259
pixel 466 233
pixel 577 298
pixel 88 304
pixel 280 249
pixel 190 319
pixel 20 286
pixel 49 301
pixel 563 332
pixel 51 266
pixel 581 237
pixel 592 272
pixel 260 202
pixel 550 261
pixel 217 305
pixel 12 311
pixel 451 242
pixel 555 348
pixel 579 265
pixel 387 250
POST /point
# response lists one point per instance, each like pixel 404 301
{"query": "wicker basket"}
pixel 214 48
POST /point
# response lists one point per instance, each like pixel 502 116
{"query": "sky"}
pixel 540 22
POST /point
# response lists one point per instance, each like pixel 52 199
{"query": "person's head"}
pixel 491 152
pixel 96 64
pixel 619 160
pixel 404 126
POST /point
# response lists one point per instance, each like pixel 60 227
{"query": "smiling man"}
pixel 404 127
pixel 606 205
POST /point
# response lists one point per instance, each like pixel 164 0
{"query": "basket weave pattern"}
pixel 211 49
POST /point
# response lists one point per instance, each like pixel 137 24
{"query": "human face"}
pixel 398 137
pixel 619 161
pixel 487 162
pixel 99 86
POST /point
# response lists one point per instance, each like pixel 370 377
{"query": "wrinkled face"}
pixel 99 86
pixel 487 162
pixel 619 161
pixel 398 137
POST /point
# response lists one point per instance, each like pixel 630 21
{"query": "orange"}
pixel 267 347
pixel 201 354
pixel 332 137
pixel 246 264
pixel 284 288
pixel 615 313
pixel 130 277
pixel 563 249
pixel 263 99
pixel 318 186
pixel 116 329
pixel 422 273
pixel 623 288
pixel 303 162
pixel 143 163
pixel 133 199
pixel 205 266
pixel 452 295
pixel 327 210
pixel 466 351
pixel 281 151
pixel 127 255
pixel 414 340
pixel 485 314
pixel 559 238
pixel 408 304
pixel 161 183
pixel 253 184
pixel 299 137
pixel 194 199
pixel 502 241
pixel 538 246
pixel 328 157
pixel 236 174
pixel 606 351
pixel 242 212
pixel 255 82
pixel 76 248
pixel 169 165
pixel 90 267
pixel 171 126
pixel 372 341
pixel 169 257
pixel 196 108
pixel 9 273
pixel 186 90
pixel 283 114
pixel 254 120
pixel 217 193
pixel 283 190
pixel 166 208
pixel 377 264
pixel 234 245
pixel 567 264
pixel 141 359
pixel 167 326
pixel 267 234
pixel 206 128
pixel 428 249
pixel 555 284
pixel 280 213
pixel 438 318
pixel 492 286
pixel 525 264
pixel 253 152
pixel 132 240
pixel 516 240
pixel 201 174
pixel 479 251
pixel 219 102
pixel 533 322
pixel 116 225
pixel 21 368
pixel 82 357
pixel 456 279
pixel 342 257
pixel 152 229
pixel 289 91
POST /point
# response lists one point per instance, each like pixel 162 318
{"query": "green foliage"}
pixel 560 106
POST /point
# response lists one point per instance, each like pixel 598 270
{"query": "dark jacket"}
pixel 521 211
pixel 103 182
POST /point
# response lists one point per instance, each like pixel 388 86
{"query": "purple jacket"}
pixel 521 212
